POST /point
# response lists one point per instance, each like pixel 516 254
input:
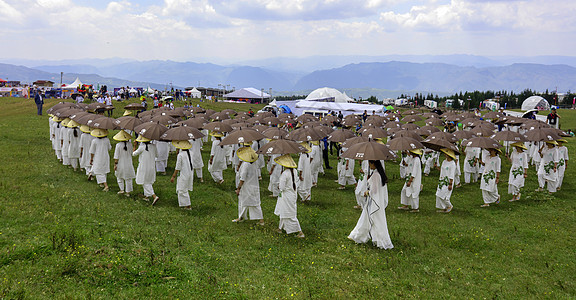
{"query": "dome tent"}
pixel 535 102
pixel 327 94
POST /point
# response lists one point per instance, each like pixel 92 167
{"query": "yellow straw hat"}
pixel 448 152
pixel 127 112
pixel 416 151
pixel 495 149
pixel 142 139
pixel 552 142
pixel 216 134
pixel 247 154
pixel 56 119
pixel 184 145
pixel 286 161
pixel 99 132
pixel 72 124
pixel 316 143
pixel 307 146
pixel 561 141
pixel 519 145
pixel 85 128
pixel 122 136
pixel 65 122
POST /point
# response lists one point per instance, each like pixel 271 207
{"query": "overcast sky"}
pixel 193 30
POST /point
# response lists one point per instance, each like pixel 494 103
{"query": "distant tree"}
pixel 456 104
pixel 373 99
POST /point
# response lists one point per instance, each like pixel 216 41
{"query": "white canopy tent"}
pixel 194 93
pixel 74 85
pixel 327 94
pixel 535 102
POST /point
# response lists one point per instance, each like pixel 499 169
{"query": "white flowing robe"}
pixel 275 175
pixel 185 181
pixel 74 143
pixel 414 169
pixel 562 161
pixel 125 168
pixel 56 139
pixel 470 162
pixel 488 183
pixel 219 160
pixel 85 142
pixel 546 167
pixel 286 205
pixel 101 160
pixel 64 135
pixel 196 153
pixel 306 183
pixel 516 175
pixel 372 223
pixel 447 173
pixel 362 185
pixel 146 171
pixel 250 191
pixel 316 163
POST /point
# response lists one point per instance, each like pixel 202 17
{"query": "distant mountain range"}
pixel 358 76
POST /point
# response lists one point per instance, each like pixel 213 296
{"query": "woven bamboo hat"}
pixel 307 146
pixel 184 145
pixel 286 161
pixel 519 145
pixel 142 139
pixel 247 154
pixel 85 128
pixel 99 132
pixel 448 152
pixel 122 136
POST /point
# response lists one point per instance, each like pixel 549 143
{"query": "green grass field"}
pixel 62 237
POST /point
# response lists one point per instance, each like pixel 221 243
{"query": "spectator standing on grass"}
pixel 553 119
pixel 39 100
pixel 286 207
pixel 146 171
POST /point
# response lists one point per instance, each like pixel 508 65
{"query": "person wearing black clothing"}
pixel 325 153
pixel 39 102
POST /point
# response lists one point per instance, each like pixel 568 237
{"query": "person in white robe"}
pixel 548 167
pixel 316 163
pixel 217 162
pixel 197 161
pixel 361 186
pixel 260 162
pixel 346 171
pixel 471 162
pixel 446 181
pixel 146 171
pixel 562 162
pixel 248 190
pixel 490 177
pixel 100 157
pixel 274 171
pixel 372 223
pixel 85 142
pixel 410 195
pixel 404 163
pixel 163 151
pixel 428 160
pixel 74 144
pixel 286 207
pixel 518 170
pixel 56 144
pixel 184 170
pixel 65 142
pixel 123 167
pixel 305 174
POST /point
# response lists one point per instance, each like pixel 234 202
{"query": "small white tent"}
pixel 194 93
pixel 535 102
pixel 74 85
pixel 327 94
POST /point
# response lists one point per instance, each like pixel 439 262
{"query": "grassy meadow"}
pixel 62 237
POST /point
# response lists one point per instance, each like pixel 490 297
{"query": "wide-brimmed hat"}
pixel 316 143
pixel 65 122
pixel 99 132
pixel 247 154
pixel 552 143
pixel 56 119
pixel 72 124
pixel 184 145
pixel 495 149
pixel 122 136
pixel 307 146
pixel 85 128
pixel 417 151
pixel 142 139
pixel 519 145
pixel 127 113
pixel 286 161
pixel 448 152
pixel 561 141
pixel 216 134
